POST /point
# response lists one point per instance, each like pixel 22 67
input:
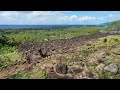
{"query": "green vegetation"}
pixel 98 53
pixel 114 26
pixel 21 36
pixel 11 39
pixel 35 74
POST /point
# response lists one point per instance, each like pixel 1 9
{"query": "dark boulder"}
pixel 101 60
pixel 89 74
pixel 28 59
pixel 108 54
pixel 88 44
pixel 118 71
pixel 105 40
pixel 75 70
pixel 42 53
pixel 53 75
pixel 116 40
pixel 61 68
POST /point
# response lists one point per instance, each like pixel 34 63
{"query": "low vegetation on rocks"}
pixel 67 53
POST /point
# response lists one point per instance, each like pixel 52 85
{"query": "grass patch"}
pixel 35 74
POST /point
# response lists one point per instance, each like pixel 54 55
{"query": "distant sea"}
pixel 37 26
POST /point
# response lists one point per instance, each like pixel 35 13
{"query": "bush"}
pixel 3 40
pixel 6 41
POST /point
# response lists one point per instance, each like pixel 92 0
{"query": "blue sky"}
pixel 58 17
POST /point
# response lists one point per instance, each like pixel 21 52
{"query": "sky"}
pixel 57 17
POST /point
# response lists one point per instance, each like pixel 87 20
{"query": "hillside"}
pixel 113 26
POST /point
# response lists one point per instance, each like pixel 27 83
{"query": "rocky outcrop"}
pixel 112 68
pixel 61 68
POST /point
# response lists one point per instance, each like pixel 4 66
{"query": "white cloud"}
pixel 52 17
pixel 42 17
pixel 114 16
pixel 76 18
pixel 87 18
pixel 101 18
pixel 73 17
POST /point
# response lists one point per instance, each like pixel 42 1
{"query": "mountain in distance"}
pixel 108 23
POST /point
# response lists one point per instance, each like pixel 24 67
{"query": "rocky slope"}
pixel 86 57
